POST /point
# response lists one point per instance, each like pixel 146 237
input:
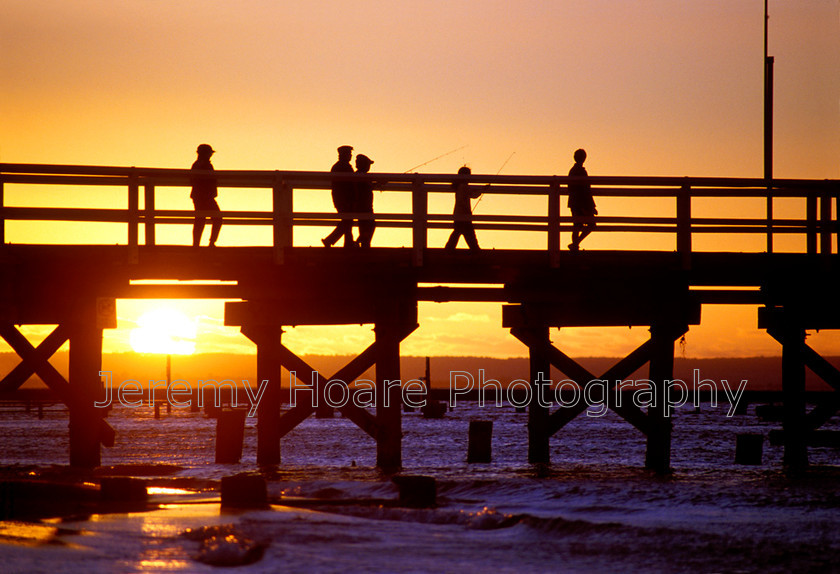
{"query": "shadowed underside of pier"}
pixel 254 268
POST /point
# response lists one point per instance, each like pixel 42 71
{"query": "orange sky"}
pixel 657 87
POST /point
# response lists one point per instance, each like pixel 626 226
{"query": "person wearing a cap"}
pixel 204 194
pixel 344 199
pixel 364 201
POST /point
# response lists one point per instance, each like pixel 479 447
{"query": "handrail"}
pixel 818 225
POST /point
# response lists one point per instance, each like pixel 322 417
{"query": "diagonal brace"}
pixel 35 360
pixel 581 376
pixel 352 370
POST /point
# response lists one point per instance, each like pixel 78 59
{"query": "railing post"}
pixel 835 196
pixel 133 215
pixel 554 224
pixel 149 212
pixel 2 214
pixel 684 225
pixel 769 216
pixel 283 209
pixel 825 221
pixel 811 223
pixel 420 210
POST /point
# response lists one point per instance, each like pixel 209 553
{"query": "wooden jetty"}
pixel 282 283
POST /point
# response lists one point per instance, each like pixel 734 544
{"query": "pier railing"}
pixel 816 223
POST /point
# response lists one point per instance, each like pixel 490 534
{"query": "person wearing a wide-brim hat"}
pixel 204 193
pixel 343 196
pixel 364 201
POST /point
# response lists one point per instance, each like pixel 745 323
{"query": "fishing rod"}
pixel 431 160
pixel 434 159
pixel 506 162
pixel 488 185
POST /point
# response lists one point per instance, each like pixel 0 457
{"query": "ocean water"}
pixel 594 509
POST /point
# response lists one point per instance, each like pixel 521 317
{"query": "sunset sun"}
pixel 164 330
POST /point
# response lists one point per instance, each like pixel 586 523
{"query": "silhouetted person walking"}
pixel 204 192
pixel 344 199
pixel 364 201
pixel 463 213
pixel 581 203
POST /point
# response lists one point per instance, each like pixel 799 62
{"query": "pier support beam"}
pixel 661 373
pixel 787 324
pixel 793 395
pixel 85 388
pixel 782 325
pixel 268 341
pixel 538 415
pixel 393 318
pixel 530 324
pixel 81 322
pixel 388 395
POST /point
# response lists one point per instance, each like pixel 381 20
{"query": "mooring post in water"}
pixel 230 434
pixel 480 443
pixel 194 402
pixel 540 367
pixel 658 453
pixel 748 448
pixel 416 491
pixel 168 382
pixel 244 491
pixel 123 489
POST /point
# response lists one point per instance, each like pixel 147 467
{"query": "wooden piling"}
pixel 540 367
pixel 268 338
pixel 85 362
pixel 244 491
pixel 230 434
pixel 658 452
pixel 194 402
pixel 122 490
pixel 793 393
pixel 168 372
pixel 433 409
pixel 417 491
pixel 480 444
pixel 748 448
pixel 388 394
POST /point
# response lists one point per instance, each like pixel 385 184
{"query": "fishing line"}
pixel 434 159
